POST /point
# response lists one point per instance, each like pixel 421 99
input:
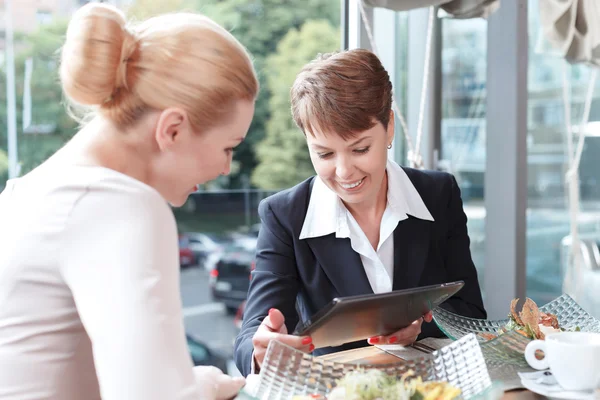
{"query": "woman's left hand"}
pixel 404 336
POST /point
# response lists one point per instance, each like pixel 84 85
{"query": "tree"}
pixel 3 167
pixel 283 157
pixel 143 9
pixel 260 25
pixel 47 105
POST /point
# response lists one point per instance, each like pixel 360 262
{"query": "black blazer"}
pixel 299 277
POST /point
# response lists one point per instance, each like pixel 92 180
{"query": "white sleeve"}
pixel 120 260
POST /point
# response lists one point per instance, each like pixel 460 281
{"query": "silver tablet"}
pixel 348 319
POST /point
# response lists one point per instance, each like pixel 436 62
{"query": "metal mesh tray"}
pixel 287 372
pixel 509 347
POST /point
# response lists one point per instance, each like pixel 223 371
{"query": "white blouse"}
pixel 90 304
pixel 327 214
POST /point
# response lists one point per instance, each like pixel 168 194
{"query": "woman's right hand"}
pixel 273 328
pixel 215 385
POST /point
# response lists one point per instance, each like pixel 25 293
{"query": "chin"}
pixel 351 199
pixel 178 202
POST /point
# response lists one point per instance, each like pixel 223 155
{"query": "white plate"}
pixel 565 394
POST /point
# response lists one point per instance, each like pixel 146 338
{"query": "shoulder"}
pixel 118 199
pixel 289 204
pixel 433 186
pixel 438 191
pixel 429 180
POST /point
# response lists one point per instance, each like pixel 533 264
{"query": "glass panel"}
pixel 548 215
pixel 464 55
pixel 399 78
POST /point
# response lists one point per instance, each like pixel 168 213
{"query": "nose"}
pixel 344 168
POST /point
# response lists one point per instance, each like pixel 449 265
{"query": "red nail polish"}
pixel 393 339
pixel 311 348
pixel 373 340
pixel 306 340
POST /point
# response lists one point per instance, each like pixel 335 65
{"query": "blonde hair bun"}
pixel 120 71
pixel 95 54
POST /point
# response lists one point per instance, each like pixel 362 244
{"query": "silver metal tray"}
pixel 287 372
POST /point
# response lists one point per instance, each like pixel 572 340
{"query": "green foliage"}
pixel 3 167
pixel 260 25
pixel 144 9
pixel 47 106
pixel 283 156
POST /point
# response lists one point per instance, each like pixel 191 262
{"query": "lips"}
pixel 351 185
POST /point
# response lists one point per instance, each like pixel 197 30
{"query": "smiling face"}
pixel 189 157
pixel 353 168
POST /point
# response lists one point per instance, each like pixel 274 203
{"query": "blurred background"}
pixel 218 226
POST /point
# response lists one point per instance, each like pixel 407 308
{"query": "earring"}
pixel 389 146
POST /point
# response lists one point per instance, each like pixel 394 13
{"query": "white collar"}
pixel 326 213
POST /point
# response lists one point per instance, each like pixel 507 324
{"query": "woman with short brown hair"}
pixel 362 225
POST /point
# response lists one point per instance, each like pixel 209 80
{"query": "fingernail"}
pixel 270 311
pixel 373 340
pixel 307 340
pixel 311 348
pixel 393 339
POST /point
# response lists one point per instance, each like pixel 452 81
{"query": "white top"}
pixel 89 290
pixel 327 214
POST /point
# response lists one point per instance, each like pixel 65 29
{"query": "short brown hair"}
pixel 344 92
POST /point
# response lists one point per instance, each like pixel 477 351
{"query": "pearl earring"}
pixel 389 146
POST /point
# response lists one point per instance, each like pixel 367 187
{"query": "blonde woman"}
pixel 89 270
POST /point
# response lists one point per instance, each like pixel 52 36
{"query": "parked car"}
pixel 230 279
pixel 207 248
pixel 202 355
pixel 186 255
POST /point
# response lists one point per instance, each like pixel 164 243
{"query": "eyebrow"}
pixel 318 146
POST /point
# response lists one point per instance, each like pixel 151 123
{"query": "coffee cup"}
pixel 573 358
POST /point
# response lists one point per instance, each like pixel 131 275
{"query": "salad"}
pixel 374 384
pixel 529 322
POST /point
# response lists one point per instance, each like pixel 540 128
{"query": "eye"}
pixel 363 150
pixel 324 155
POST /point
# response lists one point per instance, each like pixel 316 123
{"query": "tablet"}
pixel 348 319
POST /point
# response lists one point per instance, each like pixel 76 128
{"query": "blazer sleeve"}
pixel 459 264
pixel 274 284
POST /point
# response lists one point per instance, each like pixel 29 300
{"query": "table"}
pixel 373 355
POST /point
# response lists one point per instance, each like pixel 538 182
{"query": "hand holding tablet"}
pixel 349 319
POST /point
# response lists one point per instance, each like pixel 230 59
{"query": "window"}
pixel 43 17
pixel 548 219
pixel 463 124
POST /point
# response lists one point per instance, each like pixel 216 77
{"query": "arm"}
pixel 120 261
pixel 459 264
pixel 274 284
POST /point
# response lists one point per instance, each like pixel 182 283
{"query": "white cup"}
pixel 573 358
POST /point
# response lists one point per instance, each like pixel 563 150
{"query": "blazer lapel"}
pixel 341 264
pixel 411 247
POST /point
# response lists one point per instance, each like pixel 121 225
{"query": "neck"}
pixel 371 209
pixel 100 143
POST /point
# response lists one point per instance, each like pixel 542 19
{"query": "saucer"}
pixel 551 389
